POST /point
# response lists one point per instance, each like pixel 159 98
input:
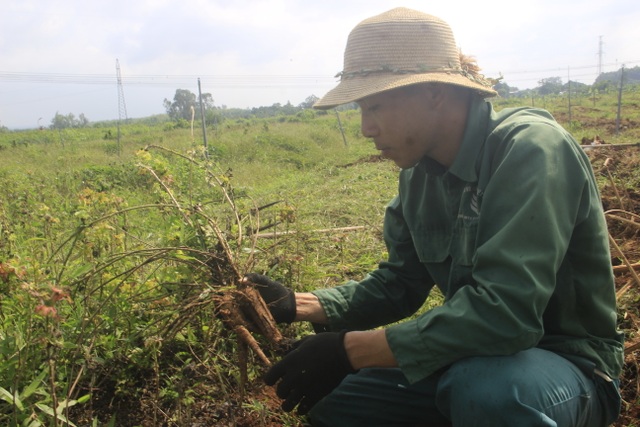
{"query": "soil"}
pixel 622 166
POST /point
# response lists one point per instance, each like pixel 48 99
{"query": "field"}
pixel 119 260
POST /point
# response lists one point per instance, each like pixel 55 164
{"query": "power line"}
pixel 165 80
pixel 253 80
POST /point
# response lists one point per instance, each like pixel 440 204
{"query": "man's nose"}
pixel 368 126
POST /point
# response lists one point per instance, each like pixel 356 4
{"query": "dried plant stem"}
pixel 52 383
pixel 619 268
pixel 607 164
pixel 241 309
pixel 623 290
pixel 223 242
pixel 322 230
pixel 220 184
pixel 625 260
pixel 625 220
pixel 632 347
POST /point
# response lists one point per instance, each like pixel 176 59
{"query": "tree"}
pixel 308 103
pixel 576 87
pixel 603 86
pixel 550 85
pixel 207 102
pixel 60 121
pixel 180 108
pixel 82 121
pixel 503 89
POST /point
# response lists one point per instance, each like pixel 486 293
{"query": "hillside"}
pixel 631 76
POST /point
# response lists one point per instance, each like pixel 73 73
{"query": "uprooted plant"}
pixel 136 300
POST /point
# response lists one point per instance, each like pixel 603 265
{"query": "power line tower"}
pixel 122 106
pixel 600 56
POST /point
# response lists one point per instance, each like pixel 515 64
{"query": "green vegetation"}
pixel 113 253
pixel 105 250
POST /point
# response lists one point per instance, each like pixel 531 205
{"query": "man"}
pixel 501 212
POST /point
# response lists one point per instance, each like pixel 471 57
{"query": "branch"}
pixel 322 230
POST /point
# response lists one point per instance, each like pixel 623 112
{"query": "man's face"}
pixel 402 124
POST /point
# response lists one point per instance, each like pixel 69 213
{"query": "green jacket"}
pixel 513 234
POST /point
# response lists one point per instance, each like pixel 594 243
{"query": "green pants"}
pixel 531 388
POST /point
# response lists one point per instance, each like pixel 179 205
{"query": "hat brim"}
pixel 355 89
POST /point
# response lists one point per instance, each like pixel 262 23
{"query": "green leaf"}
pixel 49 411
pixel 46 409
pixel 36 240
pixel 84 399
pixel 10 398
pixel 81 270
pixel 182 256
pixel 31 388
pixel 65 404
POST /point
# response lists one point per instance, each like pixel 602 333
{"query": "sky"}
pixel 61 56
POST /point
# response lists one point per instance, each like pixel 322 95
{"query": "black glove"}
pixel 316 365
pixel 280 300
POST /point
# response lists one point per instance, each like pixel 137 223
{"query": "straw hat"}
pixel 398 48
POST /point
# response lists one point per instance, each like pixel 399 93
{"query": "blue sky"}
pixel 60 55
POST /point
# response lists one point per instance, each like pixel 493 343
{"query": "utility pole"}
pixel 204 126
pixel 619 100
pixel 344 138
pixel 569 91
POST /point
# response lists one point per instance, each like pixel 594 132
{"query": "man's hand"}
pixel 317 364
pixel 280 300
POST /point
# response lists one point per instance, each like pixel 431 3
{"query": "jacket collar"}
pixel 464 165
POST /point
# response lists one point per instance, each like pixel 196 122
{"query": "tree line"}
pixel 554 85
pixel 185 106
